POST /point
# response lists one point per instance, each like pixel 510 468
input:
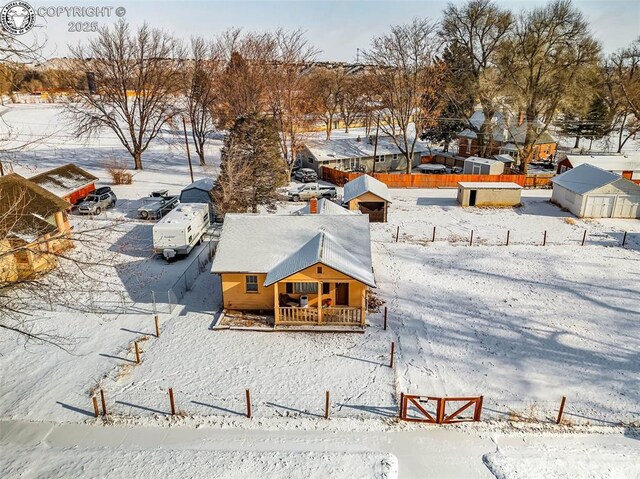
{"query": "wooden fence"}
pixel 420 180
pixel 440 415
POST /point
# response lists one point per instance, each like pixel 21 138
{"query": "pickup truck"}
pixel 312 190
pixel 156 205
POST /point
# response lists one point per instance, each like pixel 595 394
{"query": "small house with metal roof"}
pixel 305 270
pixel 591 192
pixel 369 196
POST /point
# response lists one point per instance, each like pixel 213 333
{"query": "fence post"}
pixel 400 413
pixel 326 406
pixel 433 237
pixel 173 405
pixel 157 327
pixel 397 233
pixel 96 412
pixel 559 420
pixel 137 352
pixel 248 394
pixel 624 238
pixel 508 234
pixel 393 348
pixel 385 318
pixel 471 239
pixel 440 410
pixel 584 237
pixel 104 403
pixel 478 411
pixel 544 238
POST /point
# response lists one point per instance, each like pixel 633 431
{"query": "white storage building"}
pixel 591 192
pixel 474 165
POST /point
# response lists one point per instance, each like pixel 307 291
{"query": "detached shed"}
pixel 591 192
pixel 200 191
pixel 489 193
pixel 474 165
pixel 69 182
pixel 368 195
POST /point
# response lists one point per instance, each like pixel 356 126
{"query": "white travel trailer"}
pixel 182 228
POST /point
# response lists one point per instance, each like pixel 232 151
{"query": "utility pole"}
pixel 375 142
pixel 186 142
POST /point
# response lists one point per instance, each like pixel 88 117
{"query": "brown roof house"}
pixel 33 227
pixel 69 182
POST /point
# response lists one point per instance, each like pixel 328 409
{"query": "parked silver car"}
pixel 98 201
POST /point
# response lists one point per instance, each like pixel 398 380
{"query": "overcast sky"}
pixel 337 28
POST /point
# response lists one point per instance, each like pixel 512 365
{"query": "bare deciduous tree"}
pixel 326 92
pixel 137 79
pixel 404 60
pixel 473 32
pixel 546 60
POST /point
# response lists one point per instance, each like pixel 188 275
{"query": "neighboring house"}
pixel 489 193
pixel 508 138
pixel 591 192
pixel 369 196
pixel 305 269
pixel 200 191
pixel 357 154
pixel 33 227
pixel 323 206
pixel 626 166
pixel 69 182
pixel 474 165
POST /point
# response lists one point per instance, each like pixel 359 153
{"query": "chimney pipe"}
pixel 313 206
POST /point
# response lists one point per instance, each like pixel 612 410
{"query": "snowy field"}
pixel 522 325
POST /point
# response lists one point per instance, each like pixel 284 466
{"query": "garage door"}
pixel 599 206
pixel 627 207
pixel 375 210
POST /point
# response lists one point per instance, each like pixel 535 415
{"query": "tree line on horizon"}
pixel 542 65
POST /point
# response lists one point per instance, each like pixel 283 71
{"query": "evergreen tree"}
pixel 252 167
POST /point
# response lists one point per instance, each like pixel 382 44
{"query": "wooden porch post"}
pixel 276 303
pixel 363 307
pixel 319 302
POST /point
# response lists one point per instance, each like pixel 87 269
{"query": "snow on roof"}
pixel 584 178
pixel 346 148
pixel 365 184
pixel 505 158
pixel 183 214
pixel 204 184
pixel 256 243
pixel 326 207
pixel 608 162
pixel 490 185
pixel 504 131
pixel 322 248
pixel 484 161
pixel 64 180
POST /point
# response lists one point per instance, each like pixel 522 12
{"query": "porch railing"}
pixel 309 316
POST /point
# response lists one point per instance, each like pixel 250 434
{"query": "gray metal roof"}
pixel 585 178
pixel 484 161
pixel 322 248
pixel 326 207
pixel 346 148
pixel 365 184
pixel 205 184
pixel 257 243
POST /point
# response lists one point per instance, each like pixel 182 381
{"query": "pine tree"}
pixel 252 167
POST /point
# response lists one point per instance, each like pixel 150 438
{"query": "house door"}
pixel 342 294
pixel 472 197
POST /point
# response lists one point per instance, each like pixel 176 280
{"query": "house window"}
pixel 319 269
pixel 305 288
pixel 395 156
pixel 380 159
pixel 251 283
pixel 310 160
pixel 325 288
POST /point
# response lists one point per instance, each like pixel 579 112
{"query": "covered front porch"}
pixel 330 303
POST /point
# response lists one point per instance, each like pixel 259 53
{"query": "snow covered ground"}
pixel 522 325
